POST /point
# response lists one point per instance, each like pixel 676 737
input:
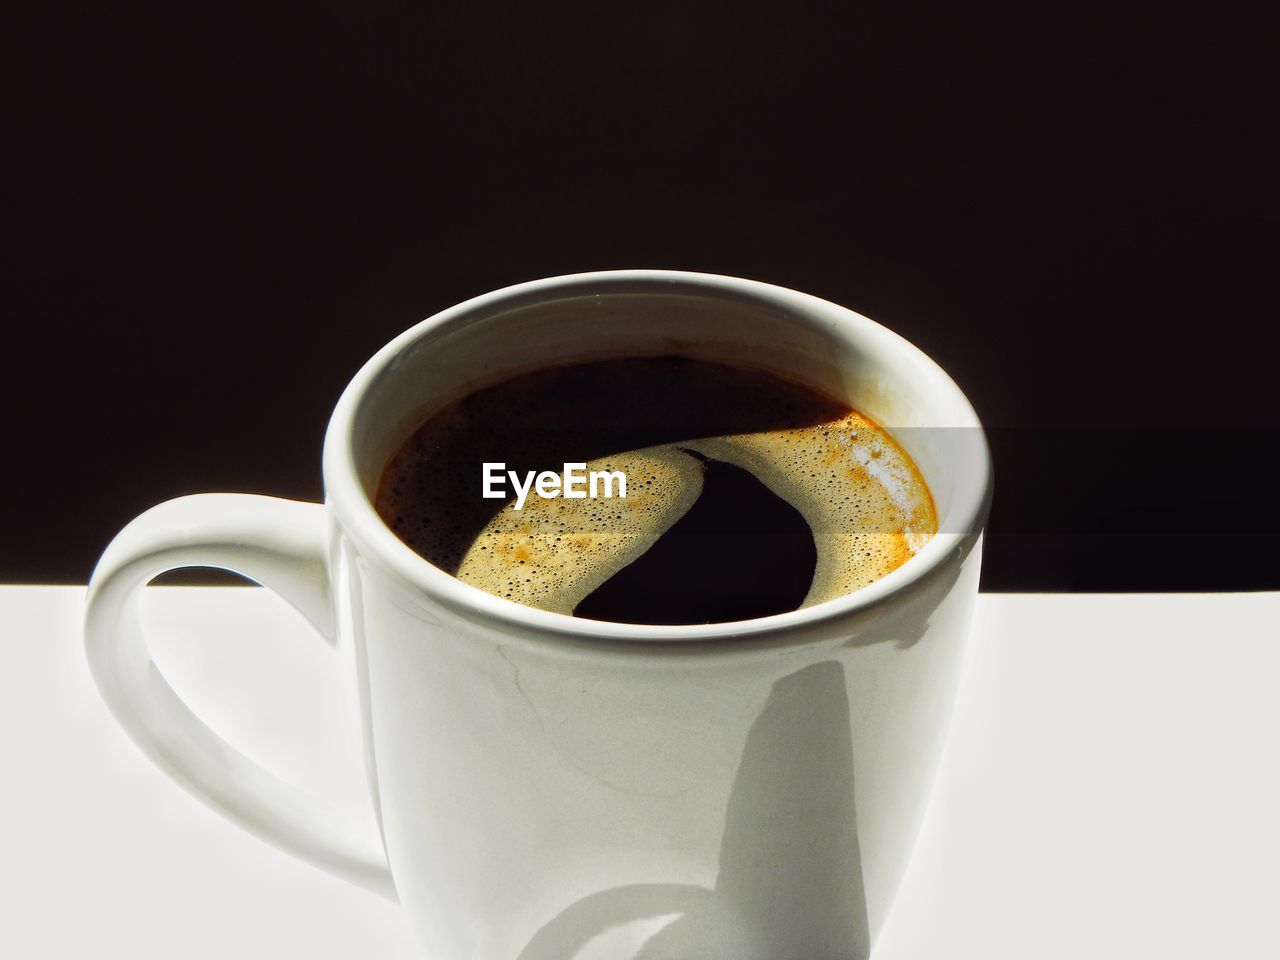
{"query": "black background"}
pixel 220 215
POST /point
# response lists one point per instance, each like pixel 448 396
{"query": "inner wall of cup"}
pixel 822 346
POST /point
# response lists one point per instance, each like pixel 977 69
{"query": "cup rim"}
pixel 358 518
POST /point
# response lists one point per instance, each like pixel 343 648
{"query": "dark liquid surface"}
pixel 683 577
pixel 716 525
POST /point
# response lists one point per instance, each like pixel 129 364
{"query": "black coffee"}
pixel 720 493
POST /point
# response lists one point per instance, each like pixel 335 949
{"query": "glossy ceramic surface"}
pixel 547 787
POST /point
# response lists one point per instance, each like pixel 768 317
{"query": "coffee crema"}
pixel 756 495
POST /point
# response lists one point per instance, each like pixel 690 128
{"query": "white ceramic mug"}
pixel 547 787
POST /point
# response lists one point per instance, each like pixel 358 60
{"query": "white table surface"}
pixel 1111 789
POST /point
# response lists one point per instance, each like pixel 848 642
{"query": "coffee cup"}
pixel 544 785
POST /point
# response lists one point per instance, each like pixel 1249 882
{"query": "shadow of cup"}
pixel 790 879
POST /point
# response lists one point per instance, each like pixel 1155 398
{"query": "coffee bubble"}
pixel 655 420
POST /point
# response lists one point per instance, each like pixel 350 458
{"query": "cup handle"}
pixel 283 545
